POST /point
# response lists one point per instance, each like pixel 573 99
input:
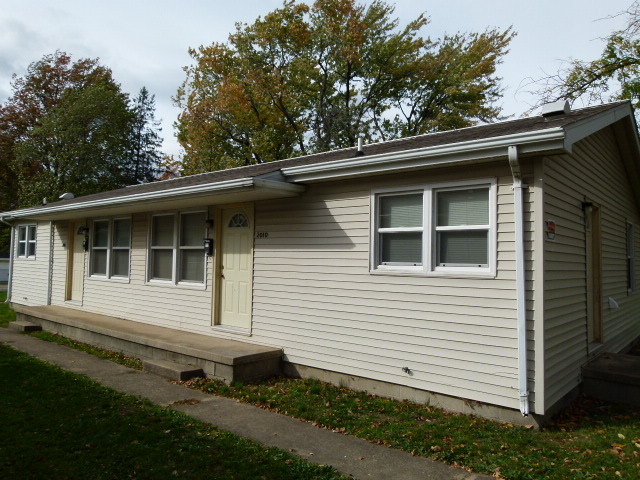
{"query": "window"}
pixel 177 253
pixel 437 229
pixel 110 248
pixel 631 259
pixel 27 241
pixel 462 227
pixel 400 229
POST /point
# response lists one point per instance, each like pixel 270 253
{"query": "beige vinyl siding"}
pixel 593 171
pixel 186 308
pixel 29 281
pixel 315 297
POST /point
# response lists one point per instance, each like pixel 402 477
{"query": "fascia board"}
pixel 582 129
pixel 541 140
pixel 219 187
pixel 278 186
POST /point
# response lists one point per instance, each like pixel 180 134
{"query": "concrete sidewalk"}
pixel 350 455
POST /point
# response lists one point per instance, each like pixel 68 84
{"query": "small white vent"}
pixel 561 107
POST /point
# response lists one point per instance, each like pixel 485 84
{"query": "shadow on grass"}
pixel 56 424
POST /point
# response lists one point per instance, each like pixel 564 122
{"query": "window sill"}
pixel 437 274
pixel 181 285
pixel 28 259
pixel 99 278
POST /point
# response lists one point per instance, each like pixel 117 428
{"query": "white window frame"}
pixel 429 229
pixel 26 242
pixel 176 249
pixel 108 275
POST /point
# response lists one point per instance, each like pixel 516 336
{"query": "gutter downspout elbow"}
pixel 11 247
pixel 518 203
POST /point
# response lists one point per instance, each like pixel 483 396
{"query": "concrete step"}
pixel 25 326
pixel 220 358
pixel 613 377
pixel 172 370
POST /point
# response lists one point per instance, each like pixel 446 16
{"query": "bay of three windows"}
pixel 445 229
pixel 175 253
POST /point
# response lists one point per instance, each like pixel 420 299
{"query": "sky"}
pixel 146 43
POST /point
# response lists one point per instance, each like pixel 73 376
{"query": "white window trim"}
pixel 26 241
pixel 176 249
pixel 428 267
pixel 109 248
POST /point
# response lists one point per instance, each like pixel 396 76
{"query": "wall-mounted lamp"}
pixel 209 222
pixel 83 230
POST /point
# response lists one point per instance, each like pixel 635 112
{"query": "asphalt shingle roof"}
pixel 510 127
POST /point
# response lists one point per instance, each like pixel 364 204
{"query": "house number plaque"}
pixel 262 234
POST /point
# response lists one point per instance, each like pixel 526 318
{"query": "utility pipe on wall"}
pixel 11 246
pixel 518 204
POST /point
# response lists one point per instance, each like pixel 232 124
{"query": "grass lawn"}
pixel 591 440
pixel 59 425
pixel 6 314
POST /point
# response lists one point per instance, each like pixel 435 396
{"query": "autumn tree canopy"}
pixel 309 78
pixel 68 127
pixel 613 76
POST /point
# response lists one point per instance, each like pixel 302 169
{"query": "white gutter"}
pixel 518 205
pixel 11 246
pixel 536 141
pixel 215 188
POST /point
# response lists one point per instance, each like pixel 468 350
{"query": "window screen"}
pixel 400 229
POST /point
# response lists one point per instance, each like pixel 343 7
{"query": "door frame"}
pixel 72 235
pixel 593 273
pixel 217 273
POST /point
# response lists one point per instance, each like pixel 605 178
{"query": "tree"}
pixel 68 127
pixel 145 155
pixel 307 79
pixel 613 76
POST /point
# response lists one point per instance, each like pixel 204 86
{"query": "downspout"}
pixel 11 247
pixel 518 205
pixel 50 273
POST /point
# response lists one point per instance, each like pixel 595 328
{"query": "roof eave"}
pixel 277 188
pixel 550 139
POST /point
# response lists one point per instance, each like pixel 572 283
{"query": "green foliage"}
pixel 309 78
pixel 144 142
pixel 591 439
pixel 613 76
pixel 68 127
pixel 5 238
pixel 56 424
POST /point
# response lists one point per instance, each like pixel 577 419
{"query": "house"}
pixel 476 269
pixel 4 267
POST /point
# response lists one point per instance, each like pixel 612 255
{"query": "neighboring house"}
pixel 4 267
pixel 484 265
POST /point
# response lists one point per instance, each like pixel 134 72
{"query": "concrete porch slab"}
pixel 228 360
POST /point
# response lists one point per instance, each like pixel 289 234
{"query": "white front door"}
pixel 236 267
pixel 75 250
